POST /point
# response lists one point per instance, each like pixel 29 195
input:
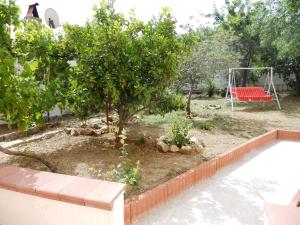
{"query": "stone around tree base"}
pixel 174 148
pixel 162 146
pixel 83 132
pixel 191 149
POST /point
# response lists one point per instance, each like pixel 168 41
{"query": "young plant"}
pixel 125 172
pixel 140 139
pixel 210 88
pixel 178 131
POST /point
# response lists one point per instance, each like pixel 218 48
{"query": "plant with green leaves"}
pixel 18 87
pixel 125 172
pixel 178 131
pixel 277 24
pixel 128 62
pixel 236 18
pixel 169 102
pixel 210 88
pixel 81 102
pixel 19 91
pixel 211 57
pixel 37 43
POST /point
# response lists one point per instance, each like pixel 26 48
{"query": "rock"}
pixel 186 150
pixel 109 137
pixel 110 119
pixel 74 132
pixel 98 132
pixel 68 131
pixel 162 146
pixel 194 140
pixel 213 107
pixel 87 132
pixel 191 149
pixel 162 138
pixel 104 129
pixel 96 126
pixel 198 149
pixel 174 148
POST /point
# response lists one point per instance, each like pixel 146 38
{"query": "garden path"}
pixel 236 194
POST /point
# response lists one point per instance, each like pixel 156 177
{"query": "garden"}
pixel 143 101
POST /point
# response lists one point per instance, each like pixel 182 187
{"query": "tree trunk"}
pixel 121 125
pixel 107 113
pixel 244 76
pixel 188 103
pixel 31 155
pixel 244 73
pixel 48 116
pixel 297 85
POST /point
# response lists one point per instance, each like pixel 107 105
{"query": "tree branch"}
pixel 31 155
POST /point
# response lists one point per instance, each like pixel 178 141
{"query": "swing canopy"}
pixel 251 94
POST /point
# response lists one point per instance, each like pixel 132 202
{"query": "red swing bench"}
pixel 250 94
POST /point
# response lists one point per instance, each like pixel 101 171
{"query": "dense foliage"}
pixel 268 35
pixel 37 43
pixel 125 61
pixel 210 58
pixel 18 88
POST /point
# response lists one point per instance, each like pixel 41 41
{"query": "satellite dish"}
pixel 51 18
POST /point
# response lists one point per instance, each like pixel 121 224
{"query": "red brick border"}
pixel 288 135
pixel 296 200
pixel 144 202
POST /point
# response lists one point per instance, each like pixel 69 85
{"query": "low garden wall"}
pixel 143 203
pixel 30 197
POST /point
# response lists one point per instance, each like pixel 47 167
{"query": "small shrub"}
pixel 81 102
pixel 140 139
pixel 210 88
pixel 125 172
pixel 169 102
pixel 205 126
pixel 158 120
pixel 202 125
pixel 178 132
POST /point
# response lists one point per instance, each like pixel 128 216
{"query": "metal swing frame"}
pixel 269 84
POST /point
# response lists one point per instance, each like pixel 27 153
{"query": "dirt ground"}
pixel 75 155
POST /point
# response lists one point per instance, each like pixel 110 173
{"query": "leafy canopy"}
pixel 125 60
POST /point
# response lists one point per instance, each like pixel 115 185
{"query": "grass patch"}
pixel 226 123
pixel 203 125
pixel 159 120
pixel 140 139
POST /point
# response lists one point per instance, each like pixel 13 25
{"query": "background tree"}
pixel 277 24
pixel 236 18
pixel 18 87
pixel 37 43
pixel 212 56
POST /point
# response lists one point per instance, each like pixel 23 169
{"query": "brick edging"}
pixel 296 200
pixel 144 202
pixel 288 135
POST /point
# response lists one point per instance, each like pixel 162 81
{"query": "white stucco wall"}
pixel 23 209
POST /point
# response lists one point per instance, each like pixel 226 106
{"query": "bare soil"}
pixel 75 155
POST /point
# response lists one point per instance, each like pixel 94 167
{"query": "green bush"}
pixel 140 139
pixel 202 125
pixel 125 172
pixel 205 125
pixel 168 103
pixel 210 88
pixel 178 131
